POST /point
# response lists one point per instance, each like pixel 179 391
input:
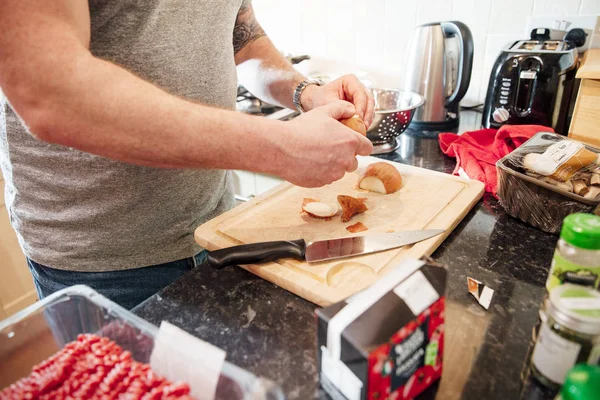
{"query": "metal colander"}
pixel 394 110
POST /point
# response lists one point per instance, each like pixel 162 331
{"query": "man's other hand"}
pixel 318 149
pixel 347 88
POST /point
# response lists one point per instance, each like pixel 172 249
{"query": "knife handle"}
pixel 256 253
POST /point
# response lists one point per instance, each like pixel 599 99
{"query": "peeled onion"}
pixel 381 178
pixel 320 210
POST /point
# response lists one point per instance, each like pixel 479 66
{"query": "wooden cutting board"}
pixel 427 200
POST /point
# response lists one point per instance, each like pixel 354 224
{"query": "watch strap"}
pixel 298 92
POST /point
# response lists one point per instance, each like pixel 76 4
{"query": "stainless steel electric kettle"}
pixel 439 63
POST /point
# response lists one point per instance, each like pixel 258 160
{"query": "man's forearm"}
pixel 68 97
pixel 100 108
pixel 264 71
pixel 268 75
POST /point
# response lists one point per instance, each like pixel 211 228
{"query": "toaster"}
pixel 532 83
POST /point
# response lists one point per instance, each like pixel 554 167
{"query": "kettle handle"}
pixel 465 64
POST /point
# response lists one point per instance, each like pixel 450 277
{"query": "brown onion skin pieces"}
pixel 357 227
pixel 351 206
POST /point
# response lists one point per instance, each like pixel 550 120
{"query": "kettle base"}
pixel 435 126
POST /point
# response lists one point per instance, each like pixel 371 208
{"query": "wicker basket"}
pixel 535 202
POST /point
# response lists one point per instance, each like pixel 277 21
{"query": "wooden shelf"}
pixel 585 125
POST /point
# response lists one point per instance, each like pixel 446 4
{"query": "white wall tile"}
pixel 341 17
pixel 340 39
pixel 286 33
pixel 399 23
pixel 315 28
pixel 509 16
pixel 341 46
pixel 433 11
pixel 589 7
pixel 376 33
pixel 369 50
pixel 369 32
pixel 474 13
pixel 556 7
pixel 472 96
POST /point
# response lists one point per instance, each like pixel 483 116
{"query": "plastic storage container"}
pixel 537 203
pixel 42 329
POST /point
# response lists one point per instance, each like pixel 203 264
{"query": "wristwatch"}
pixel 300 88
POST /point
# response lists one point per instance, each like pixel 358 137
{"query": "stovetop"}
pixel 248 103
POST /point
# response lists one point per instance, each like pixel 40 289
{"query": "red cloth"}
pixel 477 152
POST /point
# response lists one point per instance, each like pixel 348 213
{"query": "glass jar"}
pixel 577 256
pixel 569 335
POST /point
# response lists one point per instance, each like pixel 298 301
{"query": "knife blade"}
pixel 317 251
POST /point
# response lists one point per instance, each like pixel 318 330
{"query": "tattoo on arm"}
pixel 246 30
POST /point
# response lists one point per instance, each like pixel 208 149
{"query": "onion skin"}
pixel 357 227
pixel 355 123
pixel 351 206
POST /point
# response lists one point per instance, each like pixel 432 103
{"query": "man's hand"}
pixel 318 149
pixel 347 88
pixel 272 78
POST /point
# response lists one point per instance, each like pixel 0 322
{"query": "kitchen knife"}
pixel 322 250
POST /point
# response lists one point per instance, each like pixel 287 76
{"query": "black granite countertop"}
pixel 272 332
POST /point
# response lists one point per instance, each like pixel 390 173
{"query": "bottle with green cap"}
pixel 581 383
pixel 577 255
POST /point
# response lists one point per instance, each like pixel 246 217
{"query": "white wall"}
pixel 375 33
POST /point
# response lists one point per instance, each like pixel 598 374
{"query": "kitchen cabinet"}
pixel 244 183
pixel 250 184
pixel 16 285
pixel 266 182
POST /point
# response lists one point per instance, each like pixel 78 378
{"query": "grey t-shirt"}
pixel 76 211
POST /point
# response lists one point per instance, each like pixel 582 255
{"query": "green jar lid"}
pixel 581 383
pixel 582 230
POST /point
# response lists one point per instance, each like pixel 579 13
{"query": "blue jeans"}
pixel 127 288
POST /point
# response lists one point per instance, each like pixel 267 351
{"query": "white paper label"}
pixel 179 356
pixel 528 74
pixel 563 150
pixel 340 376
pixel 417 292
pixel 581 303
pixel 486 297
pixel 554 355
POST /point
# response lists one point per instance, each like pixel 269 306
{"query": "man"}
pixel 117 128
